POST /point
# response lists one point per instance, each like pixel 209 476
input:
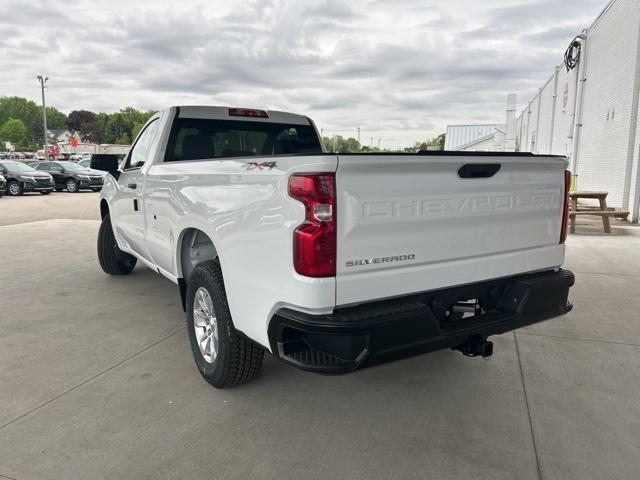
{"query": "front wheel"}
pixel 224 357
pixel 14 188
pixel 112 260
pixel 72 185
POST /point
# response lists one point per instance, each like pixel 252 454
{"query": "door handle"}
pixel 479 170
pixel 132 186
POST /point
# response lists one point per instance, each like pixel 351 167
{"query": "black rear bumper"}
pixel 378 332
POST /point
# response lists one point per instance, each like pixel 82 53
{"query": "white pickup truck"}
pixel 332 261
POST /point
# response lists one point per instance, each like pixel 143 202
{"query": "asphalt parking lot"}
pixel 97 380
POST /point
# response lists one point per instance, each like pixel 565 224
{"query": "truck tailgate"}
pixel 411 223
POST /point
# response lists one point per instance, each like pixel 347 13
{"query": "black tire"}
pixel 238 359
pixel 72 185
pixel 14 188
pixel 45 193
pixel 96 189
pixel 112 260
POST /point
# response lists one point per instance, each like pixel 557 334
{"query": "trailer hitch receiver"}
pixel 475 347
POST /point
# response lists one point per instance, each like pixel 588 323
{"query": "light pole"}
pixel 43 82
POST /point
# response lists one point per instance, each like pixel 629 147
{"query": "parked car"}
pixel 23 178
pixel 3 185
pixel 329 261
pixel 71 176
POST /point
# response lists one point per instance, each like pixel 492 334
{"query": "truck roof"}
pixel 241 114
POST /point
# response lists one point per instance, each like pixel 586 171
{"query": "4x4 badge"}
pixel 260 165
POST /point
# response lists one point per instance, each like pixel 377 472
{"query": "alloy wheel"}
pixel 205 325
pixel 14 188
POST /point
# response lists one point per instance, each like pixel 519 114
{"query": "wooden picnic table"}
pixel 603 210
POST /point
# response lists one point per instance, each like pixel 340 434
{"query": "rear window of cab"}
pixel 199 139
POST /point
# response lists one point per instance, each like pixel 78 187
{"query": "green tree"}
pixel 439 140
pixel 136 129
pixel 338 143
pixel 55 118
pixel 114 127
pixel 14 131
pixel 28 112
pixel 102 119
pixel 123 139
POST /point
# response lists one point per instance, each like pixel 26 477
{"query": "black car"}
pixel 71 176
pixel 23 178
pixel 3 185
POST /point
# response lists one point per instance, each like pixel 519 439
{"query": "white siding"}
pixel 563 123
pixel 608 100
pixel 608 152
pixel 532 125
pixel 545 116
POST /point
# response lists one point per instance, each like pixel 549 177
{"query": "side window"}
pixel 43 166
pixel 140 151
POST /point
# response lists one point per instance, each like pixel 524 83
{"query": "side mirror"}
pixel 106 163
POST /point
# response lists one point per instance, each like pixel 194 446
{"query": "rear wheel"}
pixel 72 185
pixel 112 260
pixel 96 189
pixel 14 188
pixel 224 357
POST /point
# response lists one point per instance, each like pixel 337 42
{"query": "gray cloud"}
pixel 400 70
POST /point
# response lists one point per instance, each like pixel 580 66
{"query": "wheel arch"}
pixel 194 246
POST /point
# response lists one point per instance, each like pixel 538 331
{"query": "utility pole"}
pixel 358 134
pixel 379 140
pixel 43 82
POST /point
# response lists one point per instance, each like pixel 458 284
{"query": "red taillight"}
pixel 247 112
pixel 565 210
pixel 314 242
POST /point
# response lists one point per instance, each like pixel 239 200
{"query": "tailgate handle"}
pixel 478 170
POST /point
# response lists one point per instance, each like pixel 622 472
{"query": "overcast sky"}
pixel 400 70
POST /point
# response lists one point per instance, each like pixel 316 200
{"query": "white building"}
pixel 459 136
pixel 484 137
pixel 589 110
